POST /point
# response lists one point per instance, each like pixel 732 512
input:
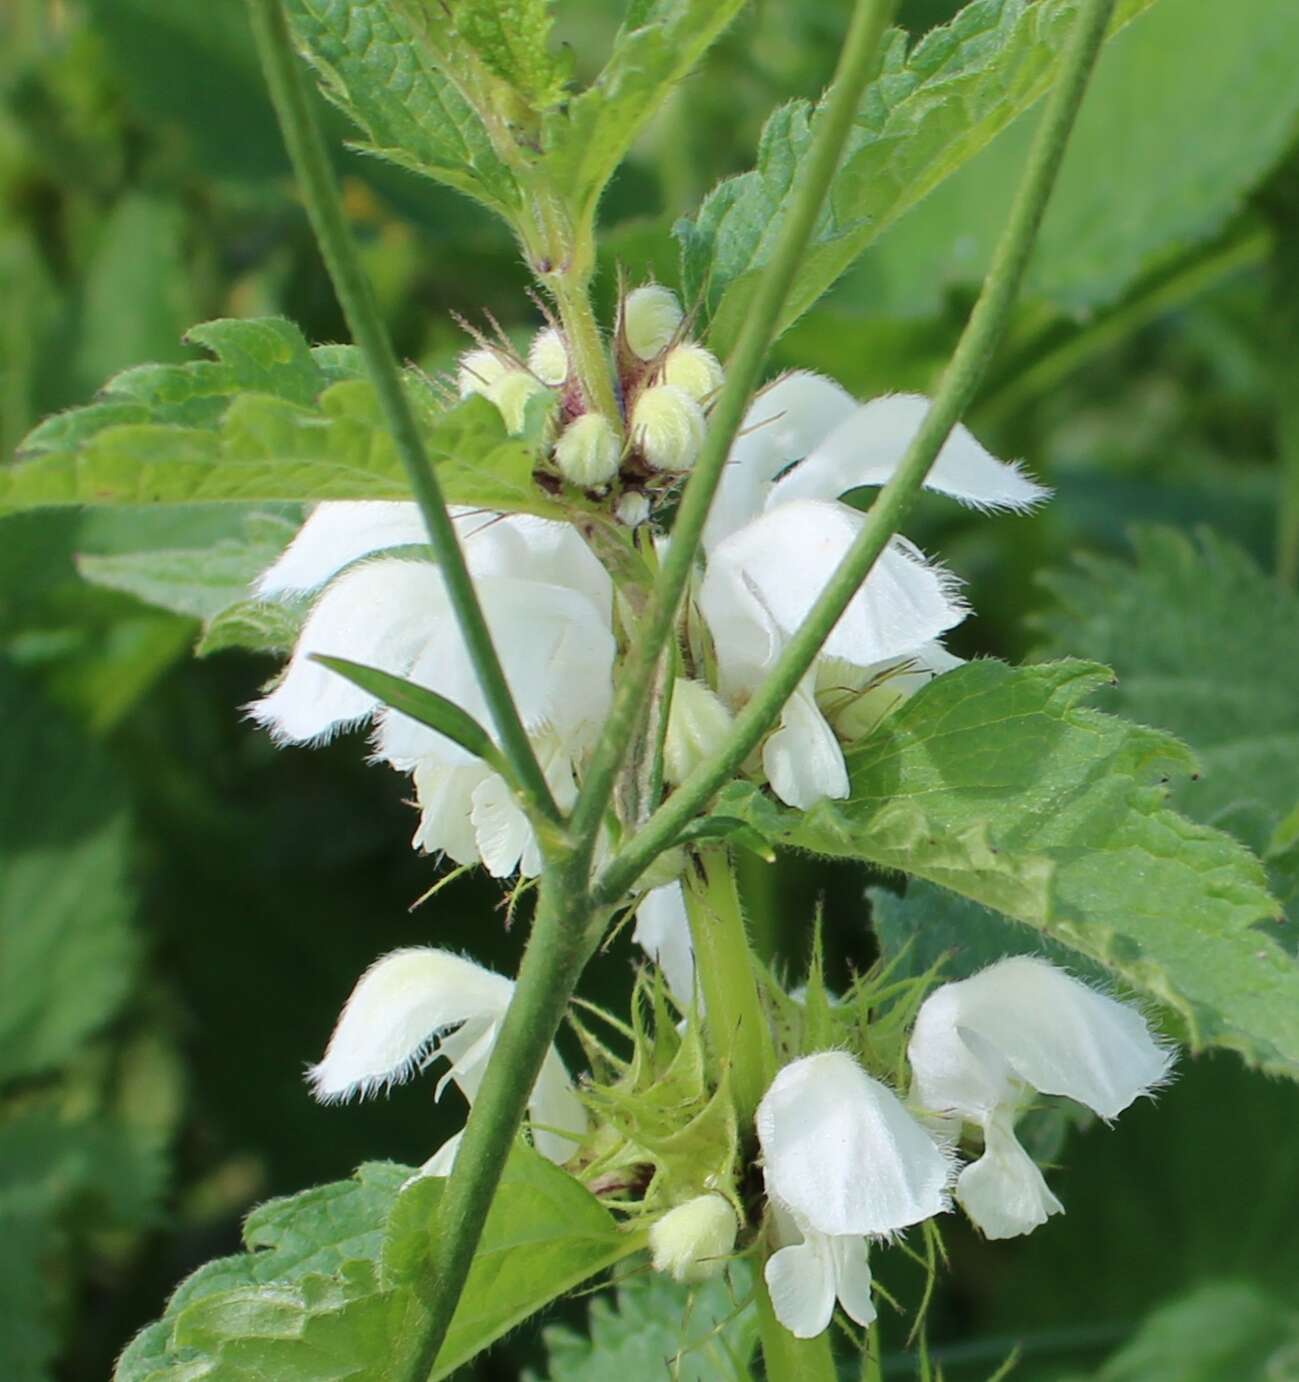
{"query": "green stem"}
pixel 557 951
pixel 786 1358
pixel 586 348
pixel 960 381
pixel 319 188
pixel 737 1027
pixel 856 65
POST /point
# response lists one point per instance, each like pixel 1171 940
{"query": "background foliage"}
pixel 182 907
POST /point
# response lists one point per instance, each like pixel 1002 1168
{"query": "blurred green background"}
pixel 183 907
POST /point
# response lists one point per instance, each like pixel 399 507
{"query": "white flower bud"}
pixel 479 370
pixel 512 392
pixel 692 1241
pixel 668 426
pixel 693 370
pixel 633 509
pixel 697 722
pixel 650 317
pixel 588 452
pixel 547 358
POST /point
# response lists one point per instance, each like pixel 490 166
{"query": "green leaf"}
pixel 512 37
pixel 655 1328
pixel 197 581
pixel 263 626
pixel 268 420
pixel 67 947
pixel 586 141
pixel 1189 108
pixel 1205 645
pixel 332 1284
pixel 423 705
pixel 1218 1330
pixel 999 783
pixel 375 69
pixel 926 114
pixel 545 1235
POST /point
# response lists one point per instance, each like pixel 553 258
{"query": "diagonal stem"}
pixel 320 192
pixel 960 381
pixel 857 64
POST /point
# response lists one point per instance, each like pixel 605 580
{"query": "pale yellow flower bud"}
pixel 650 317
pixel 693 370
pixel 547 358
pixel 479 370
pixel 587 453
pixel 692 1241
pixel 668 426
pixel 633 509
pixel 512 392
pixel 697 723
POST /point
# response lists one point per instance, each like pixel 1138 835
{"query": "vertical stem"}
pixel 786 1358
pixel 587 353
pixel 737 1026
pixel 319 188
pixel 960 381
pixel 741 1042
pixel 558 949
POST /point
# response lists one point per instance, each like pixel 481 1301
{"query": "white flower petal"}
pixel 500 826
pixel 784 559
pixel 335 535
pixel 1025 1018
pixel 557 654
pixel 445 795
pixel 852 1276
pixel 1004 1192
pixel 377 614
pixel 867 447
pixel 663 932
pixel 392 1019
pixel 441 1162
pixel 783 424
pixel 800 1280
pixel 843 1154
pixel 802 759
pixel 554 1108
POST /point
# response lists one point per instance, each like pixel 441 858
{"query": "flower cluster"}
pixel 847 1162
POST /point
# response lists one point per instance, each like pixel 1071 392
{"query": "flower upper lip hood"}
pixel 548 603
pixel 777 532
pixel 420 1002
pixel 980 1046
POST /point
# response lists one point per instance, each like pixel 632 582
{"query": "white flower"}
pixel 420 1003
pixel 981 1046
pixel 843 1162
pixel 663 932
pixel 775 535
pixel 547 601
pixel 691 1242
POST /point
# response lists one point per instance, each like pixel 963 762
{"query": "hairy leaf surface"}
pixel 999 783
pixel 926 113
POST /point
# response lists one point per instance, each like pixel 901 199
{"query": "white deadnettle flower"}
pixel 843 1162
pixel 776 533
pixel 417 1004
pixel 982 1045
pixel 547 601
pixel 663 932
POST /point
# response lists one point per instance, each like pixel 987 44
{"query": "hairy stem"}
pixel 319 188
pixel 587 354
pixel 785 1358
pixel 856 65
pixel 960 381
pixel 557 951
pixel 737 1027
